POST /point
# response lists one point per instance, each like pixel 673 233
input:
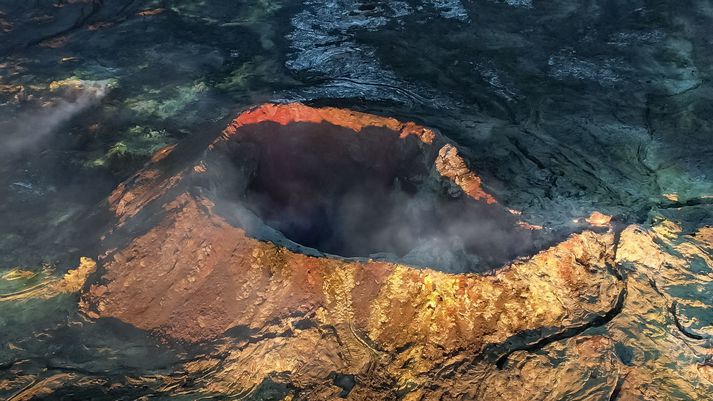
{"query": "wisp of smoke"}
pixel 371 195
pixel 31 125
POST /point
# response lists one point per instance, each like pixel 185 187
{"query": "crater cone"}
pixel 245 243
pixel 360 191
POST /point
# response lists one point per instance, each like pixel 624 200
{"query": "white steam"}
pixel 31 125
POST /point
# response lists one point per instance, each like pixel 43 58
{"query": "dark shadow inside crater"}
pixel 368 194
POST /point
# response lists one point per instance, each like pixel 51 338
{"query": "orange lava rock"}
pixel 296 112
pixel 599 219
pixel 673 197
pixel 452 166
pixel 205 268
pixel 529 226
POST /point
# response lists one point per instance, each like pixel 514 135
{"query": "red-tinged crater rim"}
pixel 449 163
pixel 285 114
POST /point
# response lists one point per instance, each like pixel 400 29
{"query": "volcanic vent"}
pixel 355 185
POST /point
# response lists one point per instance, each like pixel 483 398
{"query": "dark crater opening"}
pixel 368 194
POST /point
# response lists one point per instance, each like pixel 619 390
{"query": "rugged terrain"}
pixel 541 230
pixel 189 256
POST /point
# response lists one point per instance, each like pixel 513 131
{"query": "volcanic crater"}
pixel 371 189
pixel 315 236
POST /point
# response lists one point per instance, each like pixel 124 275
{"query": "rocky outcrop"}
pixel 452 166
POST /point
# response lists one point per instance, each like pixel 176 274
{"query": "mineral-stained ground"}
pixel 356 199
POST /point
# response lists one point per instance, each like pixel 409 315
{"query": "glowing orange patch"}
pixel 285 114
